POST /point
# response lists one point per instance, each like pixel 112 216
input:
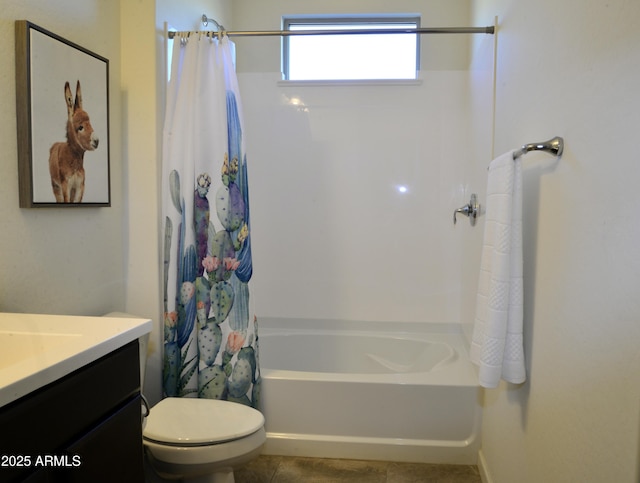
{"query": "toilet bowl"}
pixel 198 440
pixel 201 440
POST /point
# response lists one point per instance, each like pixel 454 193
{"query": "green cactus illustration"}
pixel 222 206
pixel 236 207
pixel 239 236
pixel 212 383
pixel 239 314
pixel 174 189
pixel 189 369
pixel 221 248
pixel 190 265
pixel 226 363
pixel 186 311
pixel 240 400
pixel 256 392
pixel 186 303
pixel 225 170
pixel 168 233
pixel 230 204
pixel 248 354
pixel 230 207
pixel 222 297
pixel 240 379
pixel 203 300
pixel 233 169
pixel 171 369
pixel 201 217
pixel 179 325
pixel 209 347
pixel 209 342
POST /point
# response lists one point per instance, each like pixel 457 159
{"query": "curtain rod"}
pixel 289 33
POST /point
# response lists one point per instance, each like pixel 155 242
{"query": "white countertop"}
pixel 37 349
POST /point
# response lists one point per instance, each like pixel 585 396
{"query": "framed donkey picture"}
pixel 62 110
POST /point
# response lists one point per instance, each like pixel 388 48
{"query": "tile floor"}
pixel 285 469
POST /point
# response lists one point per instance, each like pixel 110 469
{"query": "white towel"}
pixel 497 345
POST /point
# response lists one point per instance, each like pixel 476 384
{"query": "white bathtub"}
pixel 382 391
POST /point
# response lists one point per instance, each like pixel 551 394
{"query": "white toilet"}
pixel 198 440
pixel 201 440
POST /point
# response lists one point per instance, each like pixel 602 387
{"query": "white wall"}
pixel 61 260
pixel 141 99
pixel 332 237
pixel 187 15
pixel 572 68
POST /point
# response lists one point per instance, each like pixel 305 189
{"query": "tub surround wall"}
pixel 333 236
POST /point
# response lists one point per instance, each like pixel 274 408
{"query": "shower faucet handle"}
pixel 471 210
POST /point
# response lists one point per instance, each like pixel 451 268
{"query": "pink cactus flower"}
pixel 170 318
pixel 210 263
pixel 230 264
pixel 234 342
pixel 187 291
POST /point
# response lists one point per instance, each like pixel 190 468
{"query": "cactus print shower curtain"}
pixel 210 336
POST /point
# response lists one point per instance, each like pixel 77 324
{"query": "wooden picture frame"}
pixel 62 110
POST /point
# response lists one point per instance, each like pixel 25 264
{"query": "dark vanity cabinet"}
pixel 85 427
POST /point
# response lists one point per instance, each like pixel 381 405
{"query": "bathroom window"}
pixel 350 56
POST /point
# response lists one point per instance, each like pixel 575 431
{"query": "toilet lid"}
pixel 192 422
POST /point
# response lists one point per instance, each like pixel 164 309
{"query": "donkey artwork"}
pixel 66 158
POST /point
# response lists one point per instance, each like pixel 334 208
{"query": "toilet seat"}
pixel 200 422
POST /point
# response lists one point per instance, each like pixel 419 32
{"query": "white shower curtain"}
pixel 210 338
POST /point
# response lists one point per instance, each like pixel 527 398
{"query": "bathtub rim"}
pixel 270 322
pixel 457 372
